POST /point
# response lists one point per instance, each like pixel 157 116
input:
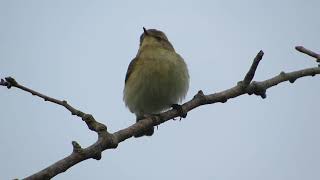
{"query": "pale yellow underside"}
pixel 159 79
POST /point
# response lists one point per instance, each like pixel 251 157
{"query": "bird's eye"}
pixel 158 38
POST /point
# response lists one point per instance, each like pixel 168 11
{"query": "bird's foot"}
pixel 182 113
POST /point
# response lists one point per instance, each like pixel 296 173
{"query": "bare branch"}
pixel 90 121
pixel 308 52
pixel 249 76
pixel 107 140
pixel 10 82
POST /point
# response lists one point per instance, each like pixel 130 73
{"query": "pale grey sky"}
pixel 79 51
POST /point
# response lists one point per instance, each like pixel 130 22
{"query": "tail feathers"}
pixel 148 132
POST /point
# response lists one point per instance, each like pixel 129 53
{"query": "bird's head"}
pixel 153 37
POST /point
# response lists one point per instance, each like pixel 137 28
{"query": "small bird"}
pixel 156 79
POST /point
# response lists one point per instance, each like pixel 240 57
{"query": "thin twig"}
pixel 88 118
pixel 11 82
pixel 308 52
pixel 249 76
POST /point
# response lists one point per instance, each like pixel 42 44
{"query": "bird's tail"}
pixel 148 132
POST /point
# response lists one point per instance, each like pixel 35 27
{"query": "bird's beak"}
pixel 145 31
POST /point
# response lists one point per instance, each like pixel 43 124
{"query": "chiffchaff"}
pixel 156 78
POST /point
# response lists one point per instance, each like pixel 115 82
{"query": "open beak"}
pixel 145 31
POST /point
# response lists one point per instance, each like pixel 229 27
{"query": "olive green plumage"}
pixel 156 78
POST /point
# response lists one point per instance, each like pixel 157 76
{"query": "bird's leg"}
pixel 182 113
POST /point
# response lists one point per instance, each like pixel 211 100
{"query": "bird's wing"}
pixel 130 68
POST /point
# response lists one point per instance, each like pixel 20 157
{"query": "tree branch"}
pixel 308 52
pixel 90 121
pixel 249 76
pixel 108 140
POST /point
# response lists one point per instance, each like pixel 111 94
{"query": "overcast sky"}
pixel 79 51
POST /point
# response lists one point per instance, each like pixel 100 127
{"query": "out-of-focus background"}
pixel 80 50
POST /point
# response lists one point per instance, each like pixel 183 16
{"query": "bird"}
pixel 156 79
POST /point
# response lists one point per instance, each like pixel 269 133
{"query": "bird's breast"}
pixel 160 78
